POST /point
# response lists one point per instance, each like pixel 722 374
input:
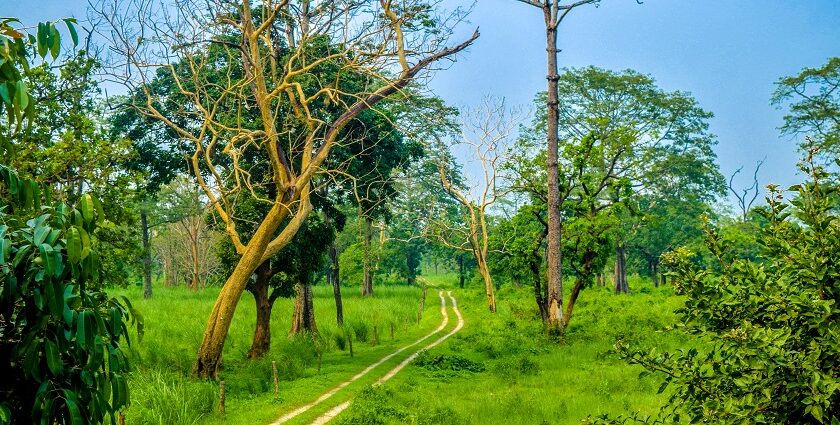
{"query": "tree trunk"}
pixel 303 319
pixel 585 276
pixel 262 332
pixel 339 308
pixel 208 360
pixel 664 280
pixel 654 273
pixel 620 270
pixel 488 284
pixel 554 258
pixel 461 271
pixel 367 284
pixel 147 256
pixel 539 294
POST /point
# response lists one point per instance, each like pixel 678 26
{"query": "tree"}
pixel 553 15
pixel 61 336
pixel 272 51
pixel 812 99
pixel 186 241
pixel 623 139
pixel 486 131
pixel 769 328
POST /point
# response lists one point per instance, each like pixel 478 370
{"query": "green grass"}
pixel 175 319
pixel 499 369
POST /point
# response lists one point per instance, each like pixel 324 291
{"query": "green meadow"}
pixel 499 368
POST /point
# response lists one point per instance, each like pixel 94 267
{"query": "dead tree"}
pixel 486 133
pixel 746 197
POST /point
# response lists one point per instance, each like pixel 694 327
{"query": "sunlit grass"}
pixel 499 369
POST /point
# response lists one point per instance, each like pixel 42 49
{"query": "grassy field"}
pixel 499 369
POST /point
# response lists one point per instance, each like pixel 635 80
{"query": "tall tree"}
pixel 622 137
pixel 553 14
pixel 278 45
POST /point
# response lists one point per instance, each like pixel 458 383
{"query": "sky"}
pixel 727 53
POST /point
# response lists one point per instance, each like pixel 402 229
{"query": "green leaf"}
pixel 55 42
pixel 85 240
pixel 74 245
pixel 53 358
pixel 4 94
pixel 21 96
pixel 43 39
pixel 5 414
pixel 86 207
pixel 81 337
pixel 75 414
pixel 48 258
pixel 72 29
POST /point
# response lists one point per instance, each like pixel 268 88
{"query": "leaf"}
pixel 43 39
pixel 55 42
pixel 86 207
pixel 5 414
pixel 72 29
pixel 53 358
pixel 4 94
pixel 85 240
pixel 75 414
pixel 48 258
pixel 21 97
pixel 81 339
pixel 74 245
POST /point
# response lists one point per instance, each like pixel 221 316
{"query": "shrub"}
pixel 772 324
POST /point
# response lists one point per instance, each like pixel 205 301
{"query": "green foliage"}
pixel 60 336
pixel 15 97
pixel 813 106
pixel 773 354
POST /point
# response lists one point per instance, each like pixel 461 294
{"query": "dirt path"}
pixel 294 413
pixel 335 411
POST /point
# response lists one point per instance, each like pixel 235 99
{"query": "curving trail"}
pixel 294 413
pixel 335 411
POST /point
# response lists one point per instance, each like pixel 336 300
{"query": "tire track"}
pixel 335 411
pixel 294 413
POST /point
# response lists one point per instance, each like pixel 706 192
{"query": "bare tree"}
pixel 486 133
pixel 229 60
pixel 746 197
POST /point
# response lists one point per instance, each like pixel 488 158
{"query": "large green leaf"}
pixel 53 358
pixel 74 245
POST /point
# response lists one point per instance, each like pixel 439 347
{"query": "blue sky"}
pixel 727 53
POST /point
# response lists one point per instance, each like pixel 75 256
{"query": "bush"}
pixel 772 324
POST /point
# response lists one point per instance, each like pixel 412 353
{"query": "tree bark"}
pixel 620 269
pixel 367 284
pixel 334 273
pixel 488 284
pixel 554 259
pixel 262 332
pixel 208 360
pixel 586 273
pixel 303 319
pixel 147 255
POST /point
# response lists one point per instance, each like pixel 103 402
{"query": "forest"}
pixel 260 212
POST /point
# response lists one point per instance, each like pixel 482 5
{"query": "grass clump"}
pixel 159 398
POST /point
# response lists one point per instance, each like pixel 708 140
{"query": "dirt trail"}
pixel 335 411
pixel 294 413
